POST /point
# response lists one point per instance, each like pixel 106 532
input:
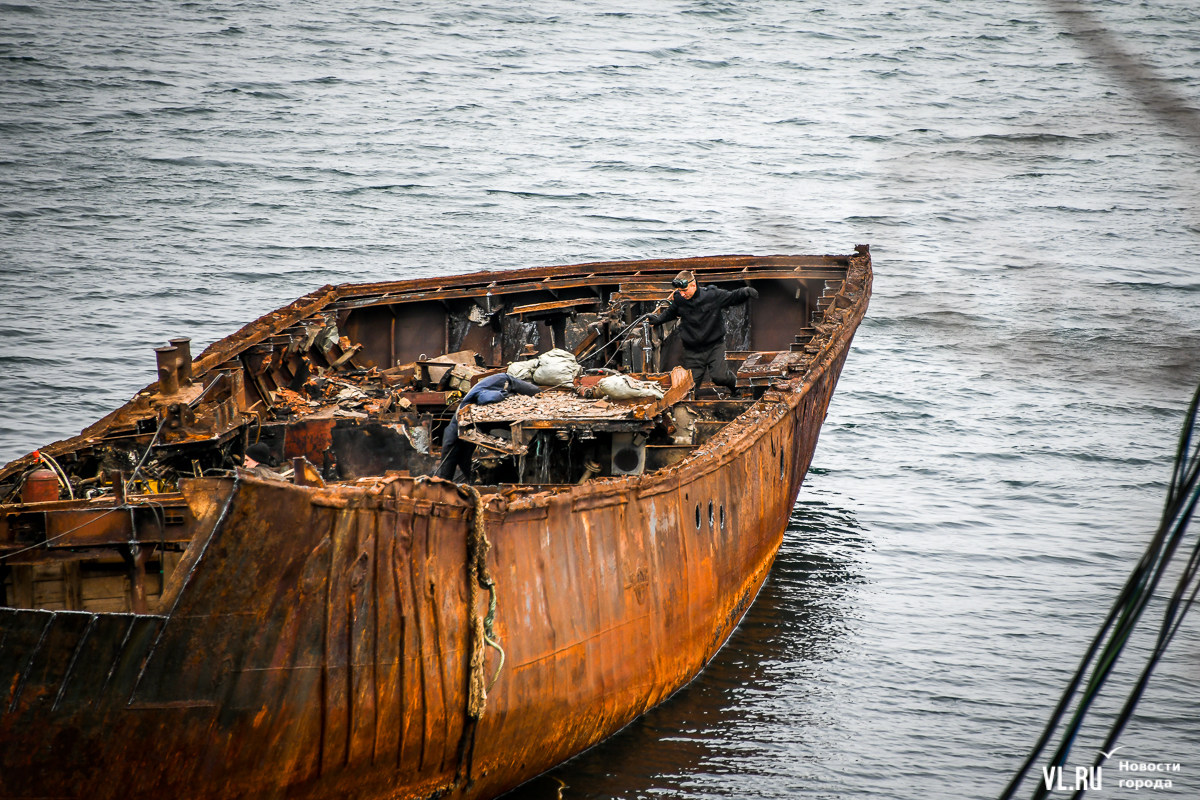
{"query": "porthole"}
pixel 781 465
pixel 722 517
pixel 697 516
pixel 711 519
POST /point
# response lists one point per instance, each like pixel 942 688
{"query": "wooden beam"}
pixel 72 586
pixel 22 581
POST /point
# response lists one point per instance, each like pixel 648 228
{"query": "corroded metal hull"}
pixel 317 643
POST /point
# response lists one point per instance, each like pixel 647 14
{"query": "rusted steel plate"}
pixel 682 382
pixel 421 399
pixel 309 438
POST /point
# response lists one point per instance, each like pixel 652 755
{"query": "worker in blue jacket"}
pixel 456 454
pixel 702 327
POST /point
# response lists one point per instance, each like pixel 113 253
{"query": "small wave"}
pixel 187 161
pixel 610 218
pixel 183 110
pixel 17 8
pixel 1076 209
pixel 826 36
pixel 890 222
pixel 714 10
pixel 947 317
pixel 31 126
pixel 11 360
pixel 1042 138
pixel 383 187
pixel 541 195
pixel 1146 286
pixel 249 221
pixel 1089 456
pixel 668 52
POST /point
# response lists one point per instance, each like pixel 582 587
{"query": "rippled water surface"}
pixel 997 451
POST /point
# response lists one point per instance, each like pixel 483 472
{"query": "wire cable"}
pixel 61 535
pixel 614 339
pixel 1183 496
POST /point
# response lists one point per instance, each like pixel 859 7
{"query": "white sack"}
pixel 523 369
pixel 623 387
pixel 556 368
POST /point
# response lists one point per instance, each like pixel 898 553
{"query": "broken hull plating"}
pixel 318 641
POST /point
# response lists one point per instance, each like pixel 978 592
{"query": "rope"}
pixel 483 632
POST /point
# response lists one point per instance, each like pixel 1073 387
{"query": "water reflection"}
pixel 765 681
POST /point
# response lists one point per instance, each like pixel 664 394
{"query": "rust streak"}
pixel 20 683
pixel 441 660
pixel 582 641
pixel 377 603
pixel 419 656
pixel 402 676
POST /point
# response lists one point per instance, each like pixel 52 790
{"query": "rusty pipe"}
pixel 183 360
pixel 168 375
pixel 118 486
pixel 590 470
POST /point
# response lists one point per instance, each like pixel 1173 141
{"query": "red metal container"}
pixel 40 487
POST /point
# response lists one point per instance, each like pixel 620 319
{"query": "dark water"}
pixel 998 448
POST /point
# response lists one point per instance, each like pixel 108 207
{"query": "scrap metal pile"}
pixel 550 405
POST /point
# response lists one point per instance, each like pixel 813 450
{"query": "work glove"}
pixel 752 292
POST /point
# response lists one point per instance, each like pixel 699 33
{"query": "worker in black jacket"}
pixel 702 327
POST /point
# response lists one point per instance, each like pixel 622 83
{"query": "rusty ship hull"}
pixel 321 637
